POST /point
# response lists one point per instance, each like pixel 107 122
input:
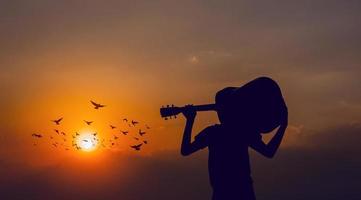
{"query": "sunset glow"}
pixel 87 142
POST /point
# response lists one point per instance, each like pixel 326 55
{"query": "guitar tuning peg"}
pixel 172 105
pixel 175 116
pixel 167 106
pixel 166 118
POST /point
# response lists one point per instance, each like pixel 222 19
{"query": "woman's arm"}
pixel 190 114
pixel 187 146
pixel 270 149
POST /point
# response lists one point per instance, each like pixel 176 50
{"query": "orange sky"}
pixel 137 56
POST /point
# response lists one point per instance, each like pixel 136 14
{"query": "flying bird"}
pixel 97 105
pixel 115 137
pixel 147 127
pixel 36 135
pixel 125 132
pixel 136 147
pixel 141 133
pixel 76 133
pixel 57 131
pixel 145 142
pixel 112 127
pixel 136 138
pixel 88 122
pixel 63 133
pixel 134 122
pixel 125 119
pixel 57 121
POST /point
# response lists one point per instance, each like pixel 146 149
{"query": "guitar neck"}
pixel 205 107
pixel 170 111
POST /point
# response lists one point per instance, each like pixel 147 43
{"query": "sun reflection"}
pixel 87 141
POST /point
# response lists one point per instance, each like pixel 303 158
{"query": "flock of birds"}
pixel 61 138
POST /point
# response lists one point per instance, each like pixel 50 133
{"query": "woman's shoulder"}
pixel 214 128
pixel 209 131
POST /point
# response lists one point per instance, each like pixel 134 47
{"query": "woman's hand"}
pixel 189 112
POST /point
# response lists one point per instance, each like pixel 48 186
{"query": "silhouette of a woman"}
pixel 228 142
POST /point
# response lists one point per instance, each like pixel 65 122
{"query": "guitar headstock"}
pixel 170 111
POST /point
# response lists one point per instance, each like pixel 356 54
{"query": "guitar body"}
pixel 257 105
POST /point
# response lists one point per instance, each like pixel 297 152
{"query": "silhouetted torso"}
pixel 228 163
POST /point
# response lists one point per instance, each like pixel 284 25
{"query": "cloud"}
pixel 327 168
pixel 209 57
pixel 193 59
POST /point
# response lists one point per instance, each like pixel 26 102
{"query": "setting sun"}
pixel 87 141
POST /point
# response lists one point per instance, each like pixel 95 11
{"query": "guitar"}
pixel 258 102
pixel 173 111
